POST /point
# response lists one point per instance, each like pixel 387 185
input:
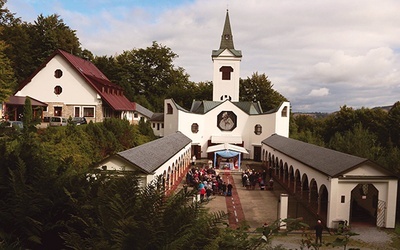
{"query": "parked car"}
pixel 57 121
pixel 79 120
pixel 13 124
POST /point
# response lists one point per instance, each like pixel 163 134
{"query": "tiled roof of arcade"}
pixel 330 162
pixel 150 156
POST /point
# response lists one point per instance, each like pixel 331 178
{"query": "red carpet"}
pixel 234 207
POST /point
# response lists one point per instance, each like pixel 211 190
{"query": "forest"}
pixel 52 199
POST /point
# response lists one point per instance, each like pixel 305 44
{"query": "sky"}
pixel 319 54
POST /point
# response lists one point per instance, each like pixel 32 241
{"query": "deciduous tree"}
pixel 259 88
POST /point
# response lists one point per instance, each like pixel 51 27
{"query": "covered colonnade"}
pixel 335 186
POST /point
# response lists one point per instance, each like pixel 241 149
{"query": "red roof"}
pixel 20 100
pixel 109 92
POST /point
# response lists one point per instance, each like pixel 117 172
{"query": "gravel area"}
pixel 369 238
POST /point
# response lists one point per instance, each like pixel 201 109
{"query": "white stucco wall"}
pixel 182 121
pixel 226 87
pixel 42 85
pixel 118 164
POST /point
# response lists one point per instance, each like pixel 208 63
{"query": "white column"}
pixel 283 209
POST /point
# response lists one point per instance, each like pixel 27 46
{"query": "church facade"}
pixel 225 119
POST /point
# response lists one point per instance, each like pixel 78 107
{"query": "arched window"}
pixel 169 109
pixel 226 72
pixel 284 112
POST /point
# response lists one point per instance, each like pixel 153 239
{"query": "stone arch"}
pixel 364 204
pixel 304 186
pixel 323 202
pixel 297 182
pixel 280 169
pixel 276 166
pixel 263 156
pixel 290 183
pixel 164 178
pixel 172 177
pixel 285 173
pixel 313 194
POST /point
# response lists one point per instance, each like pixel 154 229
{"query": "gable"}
pixel 367 169
pixel 226 53
pixel 41 86
pixel 116 163
pixel 78 76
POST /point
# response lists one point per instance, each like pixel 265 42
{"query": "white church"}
pixel 226 123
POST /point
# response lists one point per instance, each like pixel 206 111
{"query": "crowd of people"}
pixel 208 183
pixel 252 178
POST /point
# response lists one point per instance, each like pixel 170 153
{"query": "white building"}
pixel 225 119
pixel 73 86
pixel 334 185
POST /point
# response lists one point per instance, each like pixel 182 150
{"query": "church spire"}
pixel 227 38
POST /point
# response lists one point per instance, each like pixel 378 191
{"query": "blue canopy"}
pixel 227 153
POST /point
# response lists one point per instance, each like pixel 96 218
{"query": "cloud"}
pixel 319 92
pixel 320 54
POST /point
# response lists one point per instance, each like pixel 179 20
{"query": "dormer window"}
pixel 226 72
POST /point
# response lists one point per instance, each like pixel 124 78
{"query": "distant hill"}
pixel 312 114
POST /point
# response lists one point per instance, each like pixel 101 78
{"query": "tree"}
pixel 6 17
pixel 339 122
pixel 28 45
pixel 145 73
pixel 359 142
pixel 259 88
pixel 7 79
pixel 51 33
pixel 125 216
pixel 393 123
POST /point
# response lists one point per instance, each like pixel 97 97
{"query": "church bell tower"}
pixel 226 61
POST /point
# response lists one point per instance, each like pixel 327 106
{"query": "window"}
pixel 258 129
pixel 226 72
pixel 58 73
pixel 284 112
pixel 169 109
pixel 154 124
pixel 225 97
pixel 88 111
pixel 77 111
pixel 57 111
pixel 57 90
pixel 195 128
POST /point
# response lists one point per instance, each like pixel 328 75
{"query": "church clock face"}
pixel 226 121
